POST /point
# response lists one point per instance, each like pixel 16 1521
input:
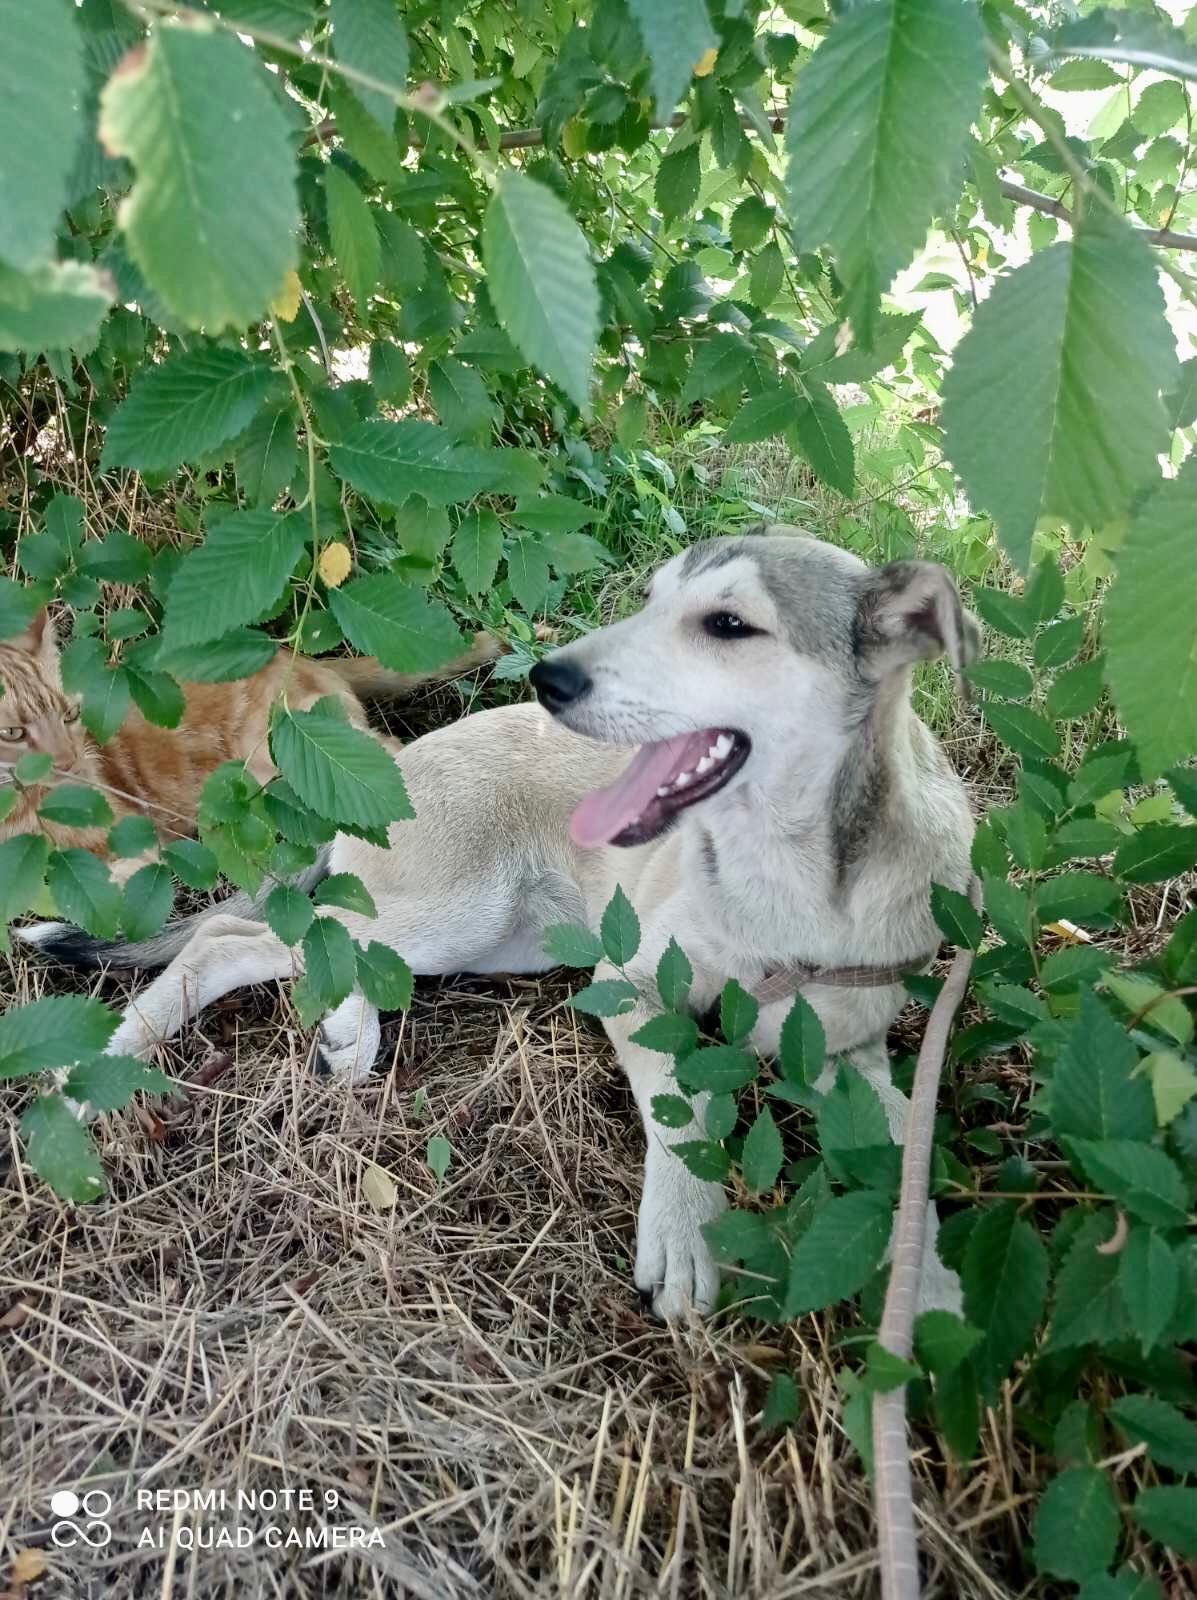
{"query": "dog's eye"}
pixel 727 625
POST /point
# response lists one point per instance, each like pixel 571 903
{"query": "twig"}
pixel 893 1502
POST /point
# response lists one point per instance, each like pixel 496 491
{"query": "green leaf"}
pixel 705 1158
pixel 1155 853
pixel 329 962
pixel 620 929
pixel 1077 692
pixel 783 1403
pixel 528 573
pixel 671 1110
pixel 1057 644
pixel 859 363
pixel 54 1032
pixel 876 134
pixel 674 977
pixel 672 1033
pixel 541 281
pixel 1077 1525
pixel 389 461
pixel 885 1371
pixel 766 413
pixel 1147 1183
pixel 149 896
pixel 261 547
pixel 345 889
pixel 57 306
pixel 476 549
pixel 1173 1084
pixel 852 1123
pixel 763 1154
pixel 768 269
pixel 353 235
pixel 84 892
pixel 748 227
pixel 132 836
pixel 738 1012
pixel 1170 1437
pixel 267 455
pixel 61 1149
pixel 1088 1306
pixel 109 1082
pixel 338 770
pixel 820 435
pixel 397 622
pixel 716 1069
pixel 1127 1584
pixel 369 37
pixel 1005 1275
pixel 41 120
pixel 390 372
pixel 192 863
pixel 157 696
pixel 803 1045
pixel 1078 895
pixel 238 654
pixel 1169 1514
pixel 956 917
pixel 1004 613
pixel 942 1341
pixel 384 977
pixel 677 34
pixel 187 407
pixel 22 867
pixel 1007 678
pixel 288 912
pixel 571 945
pixel 1061 372
pixel 609 997
pixel 839 1252
pixel 1023 730
pixel 1094 1092
pixel 75 806
pixel 213 217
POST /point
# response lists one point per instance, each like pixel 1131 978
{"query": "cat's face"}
pixel 36 717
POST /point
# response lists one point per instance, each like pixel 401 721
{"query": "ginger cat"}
pixel 159 772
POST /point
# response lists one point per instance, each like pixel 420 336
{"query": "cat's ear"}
pixel 38 640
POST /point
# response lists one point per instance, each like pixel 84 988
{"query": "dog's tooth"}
pixel 723 746
pixel 705 765
pixel 682 779
pixel 663 790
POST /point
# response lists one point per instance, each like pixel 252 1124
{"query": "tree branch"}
pixel 892 1497
pixel 529 138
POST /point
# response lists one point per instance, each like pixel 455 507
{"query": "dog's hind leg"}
pixel 939 1286
pixel 349 1038
pixel 224 953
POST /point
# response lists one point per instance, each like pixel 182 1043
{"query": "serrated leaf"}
pixel 677 35
pixel 674 977
pixel 384 977
pixel 620 929
pixel 956 917
pixel 41 120
pixel 716 1069
pixel 705 1158
pixel 1023 730
pixel 943 1340
pixel 1088 1306
pixel 54 1032
pixel 288 911
pixel 803 1045
pixel 1077 1524
pixel 1006 678
pixel 720 365
pixel 738 1012
pixel 1169 1514
pixel 439 1156
pixel 369 36
pixel 672 1110
pixel 1095 1093
pixel 1170 1437
pixel 528 573
pixel 261 547
pixel 1143 1178
pixel 820 435
pixel 84 891
pixel 671 1033
pixel 109 1082
pixel 876 136
pixel 187 407
pixel 238 654
pixel 22 867
pixel 1076 692
pixel 75 806
pixel 397 622
pixel 1059 642
pixel 389 461
pixel 541 281
pixel 1078 896
pixel 61 1149
pixel 783 1404
pixel 338 770
pixel 345 889
pixel 353 236
pixel 390 372
pixel 148 898
pixel 763 1154
pixel 1155 853
pixel 609 997
pixel 57 306
pixel 839 1252
pixel 766 414
pixel 132 836
pixel 213 217
pixel 1003 612
pixel 748 227
pixel 1061 371
pixel 1173 1084
pixel 1005 1286
pixel 571 945
pixel 329 962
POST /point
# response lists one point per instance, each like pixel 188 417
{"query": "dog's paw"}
pixel 345 1065
pixel 133 1037
pixel 675 1269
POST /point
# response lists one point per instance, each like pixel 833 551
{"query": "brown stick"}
pixel 892 1498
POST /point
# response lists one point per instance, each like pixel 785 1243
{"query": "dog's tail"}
pixel 74 948
pixel 367 676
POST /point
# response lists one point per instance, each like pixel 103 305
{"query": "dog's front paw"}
pixel 132 1038
pixel 674 1265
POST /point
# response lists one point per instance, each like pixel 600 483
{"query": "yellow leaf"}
pixel 379 1187
pixel 27 1566
pixel 706 63
pixel 335 564
pixel 286 302
pixel 1068 930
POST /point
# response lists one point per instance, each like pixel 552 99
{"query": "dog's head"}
pixel 749 655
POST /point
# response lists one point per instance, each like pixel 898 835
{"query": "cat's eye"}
pixel 12 735
pixel 71 714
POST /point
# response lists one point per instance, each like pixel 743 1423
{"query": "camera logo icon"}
pixel 95 1505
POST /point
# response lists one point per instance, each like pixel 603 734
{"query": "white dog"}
pixel 783 818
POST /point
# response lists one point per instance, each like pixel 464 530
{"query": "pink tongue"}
pixel 602 815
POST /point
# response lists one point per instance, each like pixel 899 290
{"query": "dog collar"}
pixel 789 981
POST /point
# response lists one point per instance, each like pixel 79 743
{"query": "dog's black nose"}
pixel 558 684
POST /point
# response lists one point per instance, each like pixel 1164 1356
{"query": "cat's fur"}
pixel 159 772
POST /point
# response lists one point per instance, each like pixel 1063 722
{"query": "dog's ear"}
pixel 911 611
